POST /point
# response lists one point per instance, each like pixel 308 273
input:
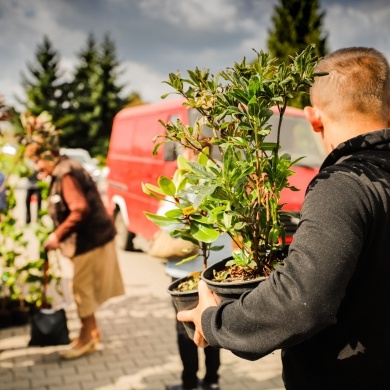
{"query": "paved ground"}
pixel 138 349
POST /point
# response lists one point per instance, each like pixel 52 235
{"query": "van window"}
pixel 298 139
pixel 206 132
pixel 171 148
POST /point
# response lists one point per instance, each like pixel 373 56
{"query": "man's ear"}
pixel 314 117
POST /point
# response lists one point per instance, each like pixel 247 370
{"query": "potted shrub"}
pixel 239 193
pixel 21 284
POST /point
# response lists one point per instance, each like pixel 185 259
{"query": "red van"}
pixel 130 162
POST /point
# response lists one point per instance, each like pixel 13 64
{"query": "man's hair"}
pixel 358 81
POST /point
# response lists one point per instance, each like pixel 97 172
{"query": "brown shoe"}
pixel 75 353
pixel 75 340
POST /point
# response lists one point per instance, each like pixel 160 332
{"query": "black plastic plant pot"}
pixel 20 316
pixel 184 300
pixel 5 319
pixel 228 290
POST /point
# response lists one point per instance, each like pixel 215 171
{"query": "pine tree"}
pixel 108 99
pixel 84 107
pixel 296 24
pixel 79 94
pixel 94 97
pixel 44 88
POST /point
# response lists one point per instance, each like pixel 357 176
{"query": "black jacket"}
pixel 328 307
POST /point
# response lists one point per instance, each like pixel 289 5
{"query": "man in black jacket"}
pixel 328 307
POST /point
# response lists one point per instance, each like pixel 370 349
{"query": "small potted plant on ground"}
pixel 239 193
pixel 21 277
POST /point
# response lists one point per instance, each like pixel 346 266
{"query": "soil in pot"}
pixel 240 279
pixel 184 296
pixel 230 288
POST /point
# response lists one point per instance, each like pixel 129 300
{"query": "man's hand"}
pixel 52 242
pixel 206 299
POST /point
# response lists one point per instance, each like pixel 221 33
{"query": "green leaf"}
pixel 184 234
pixel 203 157
pixel 188 259
pixel 150 188
pixel 201 171
pixel 174 213
pixel 182 163
pixel 274 234
pixel 268 146
pixel 227 220
pixel 160 220
pixel 167 186
pixel 204 233
pixel 217 248
pixel 203 193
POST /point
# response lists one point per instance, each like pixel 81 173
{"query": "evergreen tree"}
pixel 84 107
pixel 79 94
pixel 108 97
pixel 44 88
pixel 296 24
pixel 94 97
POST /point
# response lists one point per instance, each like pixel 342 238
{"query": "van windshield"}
pixel 297 138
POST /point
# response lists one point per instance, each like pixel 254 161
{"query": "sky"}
pixel 156 37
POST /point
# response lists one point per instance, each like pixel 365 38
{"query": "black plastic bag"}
pixel 49 327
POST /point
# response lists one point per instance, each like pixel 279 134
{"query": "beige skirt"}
pixel 96 278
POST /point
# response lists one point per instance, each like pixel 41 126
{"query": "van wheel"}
pixel 124 238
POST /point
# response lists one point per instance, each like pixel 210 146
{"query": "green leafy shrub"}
pixel 240 193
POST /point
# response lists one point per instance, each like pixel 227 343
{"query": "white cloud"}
pixel 349 25
pixel 143 79
pixel 10 90
pixel 29 20
pixel 194 14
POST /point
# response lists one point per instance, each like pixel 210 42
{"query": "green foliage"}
pixel 296 24
pixel 94 98
pixel 32 273
pixel 21 275
pixel 84 106
pixel 195 225
pixel 240 193
pixel 44 87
